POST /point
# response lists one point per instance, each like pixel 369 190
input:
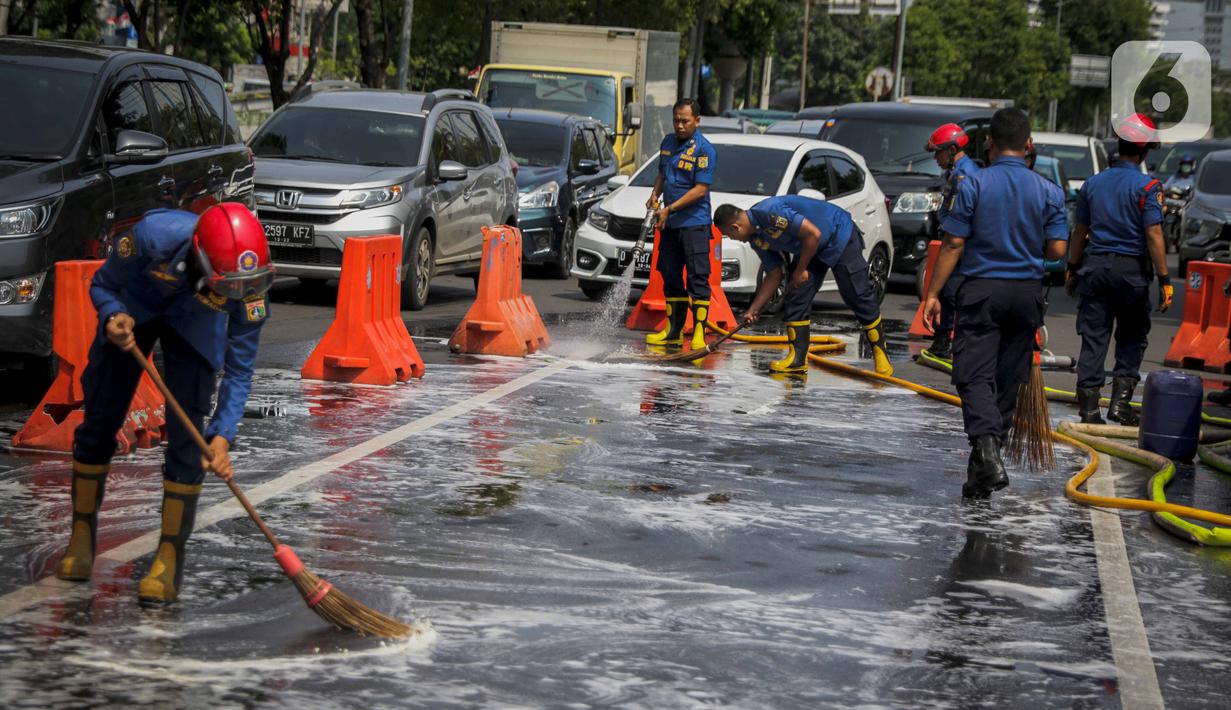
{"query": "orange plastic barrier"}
pixel 1201 340
pixel 650 313
pixel 503 320
pixel 367 343
pixel 57 416
pixel 918 328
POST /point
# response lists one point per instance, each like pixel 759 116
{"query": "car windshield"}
pixel 582 94
pixel 533 144
pixel 1216 177
pixel 887 146
pixel 1077 160
pixel 1047 167
pixel 52 102
pixel 739 169
pixel 341 136
pixel 1171 164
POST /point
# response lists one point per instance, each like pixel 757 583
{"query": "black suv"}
pixel 564 162
pixel 891 137
pixel 93 138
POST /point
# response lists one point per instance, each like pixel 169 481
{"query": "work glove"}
pixel 1165 293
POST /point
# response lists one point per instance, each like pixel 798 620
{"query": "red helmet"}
pixel 947 136
pixel 1139 130
pixel 231 252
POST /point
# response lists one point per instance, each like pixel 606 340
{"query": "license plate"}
pixel 290 235
pixel 641 269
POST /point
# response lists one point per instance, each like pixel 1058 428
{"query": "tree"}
pixel 978 49
pixel 271 34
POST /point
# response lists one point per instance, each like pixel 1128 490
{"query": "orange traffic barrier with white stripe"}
pixel 503 320
pixel 367 343
pixel 1201 341
pixel 650 313
pixel 919 328
pixel 74 327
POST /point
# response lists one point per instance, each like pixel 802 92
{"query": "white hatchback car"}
pixel 1081 156
pixel 749 169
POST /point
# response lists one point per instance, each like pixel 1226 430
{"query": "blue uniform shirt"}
pixel 962 169
pixel 1006 213
pixel 684 166
pixel 778 219
pixel 146 276
pixel 1117 207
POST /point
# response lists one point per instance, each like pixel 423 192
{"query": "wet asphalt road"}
pixel 609 533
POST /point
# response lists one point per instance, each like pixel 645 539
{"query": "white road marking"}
pixel 1130 647
pixel 50 587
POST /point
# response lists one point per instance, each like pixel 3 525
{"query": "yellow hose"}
pixel 1071 489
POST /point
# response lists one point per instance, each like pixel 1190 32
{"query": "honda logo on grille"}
pixel 288 199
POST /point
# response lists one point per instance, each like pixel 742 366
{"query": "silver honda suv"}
pixel 344 163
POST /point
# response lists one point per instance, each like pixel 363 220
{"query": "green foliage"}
pixel 979 49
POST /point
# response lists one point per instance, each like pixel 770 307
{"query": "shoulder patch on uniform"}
pixel 1159 196
pixel 254 308
pixel 777 225
pixel 125 247
pixel 703 162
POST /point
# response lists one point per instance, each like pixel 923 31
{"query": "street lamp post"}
pixel 803 63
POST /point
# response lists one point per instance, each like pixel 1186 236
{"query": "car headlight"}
pixel 914 202
pixel 600 218
pixel 541 197
pixel 25 220
pixel 22 289
pixel 363 199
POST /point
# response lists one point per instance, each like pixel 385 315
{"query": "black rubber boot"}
pixel 1088 405
pixel 179 513
pixel 1120 411
pixel 677 316
pixel 796 360
pixel 942 346
pixel 985 471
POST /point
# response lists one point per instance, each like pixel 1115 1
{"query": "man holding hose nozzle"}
pixel 685 171
pixel 197 285
pixel 1004 222
pixel 816 237
pixel 1118 237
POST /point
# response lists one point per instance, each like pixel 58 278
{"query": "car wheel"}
pixel 920 275
pixel 418 280
pixel 878 271
pixel 564 265
pixel 776 301
pixel 594 290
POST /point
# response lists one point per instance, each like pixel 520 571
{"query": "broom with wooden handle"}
pixel 322 597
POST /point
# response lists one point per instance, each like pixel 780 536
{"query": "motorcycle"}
pixel 1175 200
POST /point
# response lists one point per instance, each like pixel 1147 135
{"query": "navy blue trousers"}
pixel 993 348
pixel 110 379
pixel 948 303
pixel 851 275
pixel 680 247
pixel 1115 293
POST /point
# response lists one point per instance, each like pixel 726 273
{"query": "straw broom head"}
pixel 336 607
pixel 1030 439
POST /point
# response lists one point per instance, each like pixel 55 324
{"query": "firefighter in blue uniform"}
pixel 1116 251
pixel 811 237
pixel 947 145
pixel 685 171
pixel 197 285
pixel 1005 221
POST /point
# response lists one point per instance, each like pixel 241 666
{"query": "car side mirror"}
pixel 451 171
pixel 585 166
pixel 617 182
pixel 812 194
pixel 632 116
pixel 134 147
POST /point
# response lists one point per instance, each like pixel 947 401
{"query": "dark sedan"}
pixel 564 163
pixel 1206 222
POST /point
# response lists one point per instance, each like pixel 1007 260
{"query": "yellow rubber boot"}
pixel 89 480
pixel 700 313
pixel 673 334
pixel 179 512
pixel 796 360
pixel 875 333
